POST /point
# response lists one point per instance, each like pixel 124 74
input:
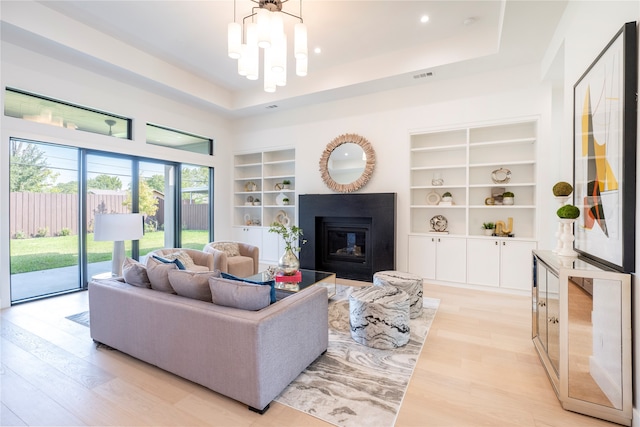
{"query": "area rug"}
pixel 81 318
pixel 355 385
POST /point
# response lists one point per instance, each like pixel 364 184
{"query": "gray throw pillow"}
pixel 135 273
pixel 241 295
pixel 192 284
pixel 158 273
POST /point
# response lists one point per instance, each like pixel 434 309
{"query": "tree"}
pixel 105 182
pixel 70 187
pixel 29 169
pixel 156 182
pixel 195 177
pixel 147 203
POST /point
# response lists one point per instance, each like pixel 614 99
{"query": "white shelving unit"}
pixel 258 198
pixel 465 160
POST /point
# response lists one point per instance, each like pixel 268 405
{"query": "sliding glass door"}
pixel 56 192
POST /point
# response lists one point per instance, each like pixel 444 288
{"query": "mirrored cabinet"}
pixel 581 319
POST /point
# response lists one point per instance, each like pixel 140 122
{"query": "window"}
pixel 158 135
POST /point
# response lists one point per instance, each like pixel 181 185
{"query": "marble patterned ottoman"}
pixel 379 316
pixel 410 283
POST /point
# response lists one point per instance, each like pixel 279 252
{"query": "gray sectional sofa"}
pixel 249 356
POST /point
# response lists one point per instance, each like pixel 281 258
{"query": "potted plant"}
pixel 568 212
pixel 488 228
pixel 288 263
pixel 286 184
pixel 562 190
pixel 447 197
pixel 256 202
pixel 285 201
pixel 507 198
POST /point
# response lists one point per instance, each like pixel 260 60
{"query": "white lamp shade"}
pixel 281 77
pixel 301 67
pixel 118 227
pixel 243 61
pixel 300 41
pixel 264 28
pixel 278 53
pixel 234 40
pixel 269 76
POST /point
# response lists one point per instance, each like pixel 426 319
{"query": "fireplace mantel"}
pixel 377 209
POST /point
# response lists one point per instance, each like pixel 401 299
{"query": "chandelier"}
pixel 265 31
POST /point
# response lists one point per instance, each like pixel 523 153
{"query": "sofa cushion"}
pixel 230 248
pixel 271 283
pixel 158 273
pixel 192 284
pixel 135 273
pixel 181 256
pixel 175 261
pixel 236 294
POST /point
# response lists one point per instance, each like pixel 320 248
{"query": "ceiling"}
pixel 179 48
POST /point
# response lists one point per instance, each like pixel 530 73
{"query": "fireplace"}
pixel 352 235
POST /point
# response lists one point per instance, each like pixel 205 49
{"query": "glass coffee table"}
pixel 309 278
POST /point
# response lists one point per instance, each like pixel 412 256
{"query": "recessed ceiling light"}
pixel 317 50
pixel 469 21
pixel 424 18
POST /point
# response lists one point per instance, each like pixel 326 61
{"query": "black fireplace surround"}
pixel 352 235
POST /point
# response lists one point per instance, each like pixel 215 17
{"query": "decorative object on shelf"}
pixel 496 195
pixel 266 30
pixel 501 176
pixel 437 179
pixel 247 219
pixel 447 199
pixel 285 201
pixel 504 230
pixel 489 201
pixel 278 186
pixel 605 153
pixel 561 190
pixel 250 186
pixel 256 202
pixel 433 198
pixel 488 228
pixel 568 215
pixel 249 201
pixel 439 224
pixel 280 199
pixel 288 263
pixel 282 218
pixel 507 198
pixel 347 163
pixel 286 184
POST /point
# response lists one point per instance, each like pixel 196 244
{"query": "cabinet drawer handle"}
pixel 496 243
pixel 504 243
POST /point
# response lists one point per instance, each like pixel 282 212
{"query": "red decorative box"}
pixel 295 278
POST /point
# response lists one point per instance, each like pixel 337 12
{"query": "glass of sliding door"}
pixel 194 206
pixel 109 191
pixel 157 203
pixel 43 220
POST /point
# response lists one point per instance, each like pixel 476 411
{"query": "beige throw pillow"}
pixel 181 256
pixel 158 273
pixel 135 273
pixel 229 248
pixel 245 296
pixel 192 284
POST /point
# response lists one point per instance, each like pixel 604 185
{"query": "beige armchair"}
pixel 203 261
pixel 237 258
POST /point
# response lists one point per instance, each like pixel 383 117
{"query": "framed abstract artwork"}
pixel 605 117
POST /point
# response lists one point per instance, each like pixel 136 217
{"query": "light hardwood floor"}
pixel 478 367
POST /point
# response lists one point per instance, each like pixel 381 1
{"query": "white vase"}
pixel 507 200
pixel 565 242
pixel 489 231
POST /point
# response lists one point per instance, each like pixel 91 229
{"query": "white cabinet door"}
pixel 251 235
pixel 483 262
pixel 451 259
pixel 515 262
pixel 272 247
pixel 422 256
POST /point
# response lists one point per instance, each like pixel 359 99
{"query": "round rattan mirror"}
pixel 347 163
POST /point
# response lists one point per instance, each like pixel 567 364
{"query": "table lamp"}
pixel 118 228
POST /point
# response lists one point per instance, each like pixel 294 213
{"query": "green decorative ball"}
pixel 562 189
pixel 568 211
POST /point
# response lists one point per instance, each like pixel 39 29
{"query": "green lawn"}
pixel 54 252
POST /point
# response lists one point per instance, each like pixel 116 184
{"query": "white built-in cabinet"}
pixel 468 161
pixel 258 198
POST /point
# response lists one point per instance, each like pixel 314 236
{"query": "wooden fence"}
pixel 48 214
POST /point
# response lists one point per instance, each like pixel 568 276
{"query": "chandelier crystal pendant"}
pixel 265 31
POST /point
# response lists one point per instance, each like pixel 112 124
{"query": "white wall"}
pixel 32 72
pixel 386 120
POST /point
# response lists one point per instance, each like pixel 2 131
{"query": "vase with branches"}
pixel 288 263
